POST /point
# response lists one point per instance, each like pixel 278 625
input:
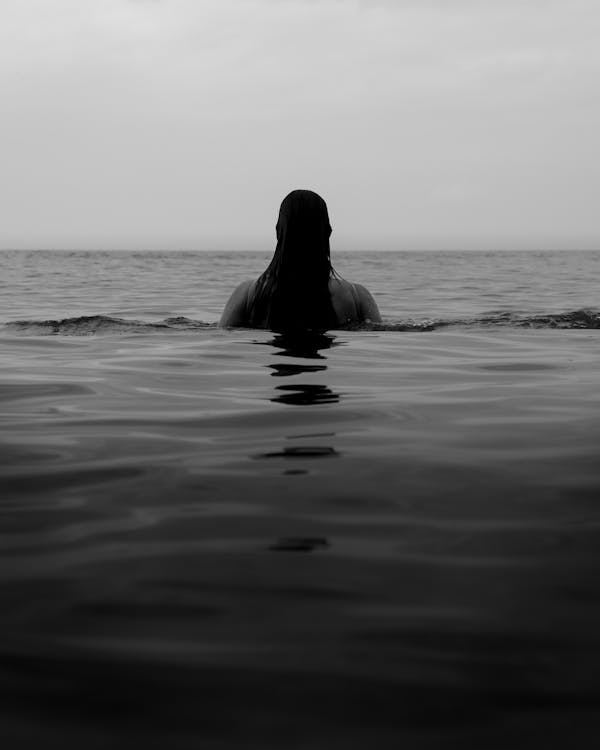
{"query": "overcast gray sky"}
pixel 183 123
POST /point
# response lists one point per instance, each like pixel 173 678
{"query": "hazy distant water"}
pixel 230 538
pixel 150 286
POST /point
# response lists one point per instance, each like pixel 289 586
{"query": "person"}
pixel 300 290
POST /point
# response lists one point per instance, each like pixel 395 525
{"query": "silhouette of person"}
pixel 300 290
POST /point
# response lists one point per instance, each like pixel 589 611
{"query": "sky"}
pixel 425 124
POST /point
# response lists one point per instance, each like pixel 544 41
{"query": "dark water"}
pixel 228 538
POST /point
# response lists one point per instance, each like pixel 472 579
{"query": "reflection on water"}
pixel 285 370
pixel 302 451
pixel 299 544
pixel 305 345
pixel 306 394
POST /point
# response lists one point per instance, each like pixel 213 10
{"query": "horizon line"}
pixel 270 251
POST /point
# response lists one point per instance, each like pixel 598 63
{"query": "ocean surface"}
pixel 48 289
pixel 387 536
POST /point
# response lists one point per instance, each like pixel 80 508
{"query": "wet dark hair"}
pixel 293 292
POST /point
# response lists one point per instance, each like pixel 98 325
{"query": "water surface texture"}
pixel 227 538
pixel 152 286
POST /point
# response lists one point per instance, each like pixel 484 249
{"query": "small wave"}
pixel 104 324
pixel 99 324
pixel 584 319
pixel 575 319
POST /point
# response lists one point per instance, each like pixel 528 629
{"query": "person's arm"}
pixel 368 307
pixel 236 310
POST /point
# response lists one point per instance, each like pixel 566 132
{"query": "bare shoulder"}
pixel 353 302
pixel 236 309
pixel 367 305
pixel 343 299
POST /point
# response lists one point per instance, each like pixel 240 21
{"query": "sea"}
pixel 223 538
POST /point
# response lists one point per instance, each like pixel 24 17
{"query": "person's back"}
pixel 300 290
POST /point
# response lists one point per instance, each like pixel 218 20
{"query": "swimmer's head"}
pixel 303 232
pixel 304 212
pixel 294 289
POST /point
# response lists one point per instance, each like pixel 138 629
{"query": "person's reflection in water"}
pixel 286 370
pixel 302 345
pixel 305 394
pixel 300 290
pixel 305 345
